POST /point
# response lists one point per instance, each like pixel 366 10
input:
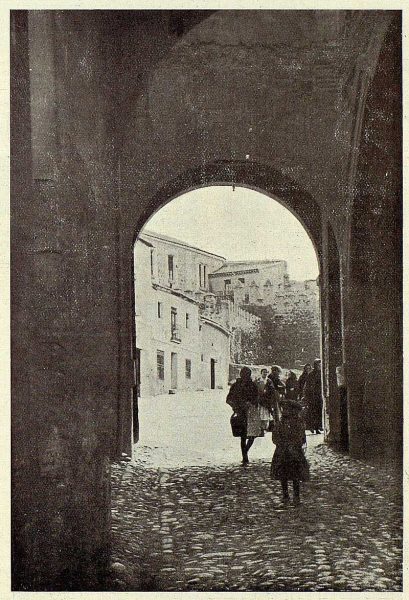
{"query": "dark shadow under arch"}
pixel 250 174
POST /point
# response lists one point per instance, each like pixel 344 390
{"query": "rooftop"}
pixel 172 240
pixel 242 265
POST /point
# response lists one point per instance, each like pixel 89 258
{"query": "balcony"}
pixel 175 335
pixel 226 295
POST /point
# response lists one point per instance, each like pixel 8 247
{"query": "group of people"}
pixel 284 408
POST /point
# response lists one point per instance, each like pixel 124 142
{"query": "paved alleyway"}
pixel 223 527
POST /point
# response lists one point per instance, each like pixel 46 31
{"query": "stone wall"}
pixel 373 288
pixel 292 339
pixel 290 318
pixel 65 316
pixel 289 333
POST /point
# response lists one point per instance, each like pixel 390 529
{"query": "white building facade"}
pixel 196 313
pixel 180 344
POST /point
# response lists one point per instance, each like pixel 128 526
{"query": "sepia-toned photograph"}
pixel 206 300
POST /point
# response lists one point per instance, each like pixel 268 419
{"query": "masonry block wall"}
pixel 374 302
pixel 64 317
pixel 113 114
pixel 290 339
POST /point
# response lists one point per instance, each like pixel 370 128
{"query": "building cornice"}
pixel 173 292
pixel 176 242
pixel 216 325
pixel 230 273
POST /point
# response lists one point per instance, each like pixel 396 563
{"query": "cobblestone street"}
pixel 224 527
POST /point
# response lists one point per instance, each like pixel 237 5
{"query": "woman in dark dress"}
pixel 291 386
pixel 313 398
pixel 242 397
pixel 289 462
pixel 301 382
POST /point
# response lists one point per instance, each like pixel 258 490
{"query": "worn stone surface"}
pixel 225 528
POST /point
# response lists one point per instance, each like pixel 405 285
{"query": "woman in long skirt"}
pixel 243 398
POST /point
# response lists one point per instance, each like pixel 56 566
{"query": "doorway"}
pixel 173 370
pixel 212 374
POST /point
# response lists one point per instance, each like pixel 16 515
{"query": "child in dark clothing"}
pixel 289 462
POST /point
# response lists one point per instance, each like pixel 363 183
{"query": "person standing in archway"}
pixel 263 407
pixel 291 386
pixel 274 392
pixel 301 382
pixel 243 399
pixel 313 397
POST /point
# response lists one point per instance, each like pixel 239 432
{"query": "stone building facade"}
pixel 251 310
pixel 289 310
pixel 243 281
pixel 185 335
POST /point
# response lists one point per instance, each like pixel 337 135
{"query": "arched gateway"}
pixel 113 113
pixel 287 192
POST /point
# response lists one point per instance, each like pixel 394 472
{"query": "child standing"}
pixel 289 462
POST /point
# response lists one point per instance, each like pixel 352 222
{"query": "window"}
pixel 159 310
pixel 171 267
pixel 175 335
pixel 246 298
pixel 202 275
pixel 187 320
pixel 160 364
pixel 242 280
pixel 227 285
pixel 188 368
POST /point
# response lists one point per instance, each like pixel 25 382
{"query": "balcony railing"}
pixel 225 295
pixel 175 335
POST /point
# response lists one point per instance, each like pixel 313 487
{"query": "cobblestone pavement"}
pixel 224 527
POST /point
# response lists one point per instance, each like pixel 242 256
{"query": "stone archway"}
pixel 249 174
pixel 276 185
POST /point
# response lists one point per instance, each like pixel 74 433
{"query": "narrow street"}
pixel 187 516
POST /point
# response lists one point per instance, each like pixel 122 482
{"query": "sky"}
pixel 240 225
